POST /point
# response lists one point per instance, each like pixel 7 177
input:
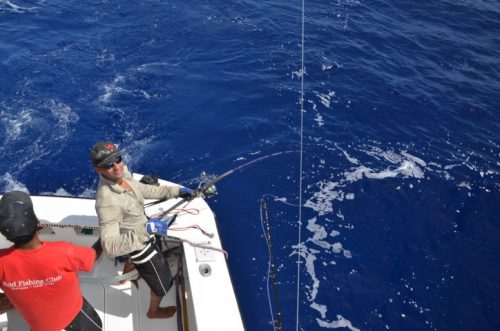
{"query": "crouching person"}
pixel 40 277
pixel 125 230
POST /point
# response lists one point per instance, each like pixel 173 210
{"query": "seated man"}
pixel 40 277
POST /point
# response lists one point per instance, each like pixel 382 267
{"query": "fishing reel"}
pixel 206 188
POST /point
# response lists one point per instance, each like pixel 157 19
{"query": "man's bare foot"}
pixel 162 312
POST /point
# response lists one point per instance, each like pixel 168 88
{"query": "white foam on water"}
pixel 326 67
pixel 117 87
pixel 154 66
pixel 349 196
pixel 406 169
pixel 111 89
pixel 379 154
pixel 10 184
pixel 325 99
pixel 321 201
pixel 310 258
pixel 105 57
pixel 329 65
pixel 298 74
pixel 347 254
pixel 403 164
pixel 319 233
pixel 87 193
pixel 33 117
pixel 380 164
pixel 334 233
pixel 337 247
pixel 350 159
pixel 64 116
pixel 14 123
pixel 59 192
pixel 319 238
pixel 13 7
pixel 135 147
pixel 414 158
pixel 49 122
pixel 322 309
pixel 318 118
pixel 465 185
pixel 341 322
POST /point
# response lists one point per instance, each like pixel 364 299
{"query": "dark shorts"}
pixel 155 272
pixel 86 320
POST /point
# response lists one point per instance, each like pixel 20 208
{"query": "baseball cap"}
pixel 17 217
pixel 103 152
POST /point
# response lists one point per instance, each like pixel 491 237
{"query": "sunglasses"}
pixel 109 165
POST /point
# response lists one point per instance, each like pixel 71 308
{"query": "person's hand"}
pixel 98 248
pixel 156 226
pixel 187 193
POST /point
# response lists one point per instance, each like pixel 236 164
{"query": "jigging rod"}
pixel 204 187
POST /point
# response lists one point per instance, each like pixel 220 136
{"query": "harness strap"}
pixel 145 254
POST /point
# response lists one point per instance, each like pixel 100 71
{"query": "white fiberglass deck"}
pixel 208 298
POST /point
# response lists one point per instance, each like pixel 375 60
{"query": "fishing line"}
pixel 207 187
pixel 299 228
pixel 278 199
pixel 271 270
pixel 299 239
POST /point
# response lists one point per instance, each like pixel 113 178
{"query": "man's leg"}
pixel 86 320
pixel 157 275
pixel 155 311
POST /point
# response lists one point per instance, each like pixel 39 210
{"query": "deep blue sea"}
pixel 399 226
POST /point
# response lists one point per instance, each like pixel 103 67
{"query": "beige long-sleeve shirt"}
pixel 121 213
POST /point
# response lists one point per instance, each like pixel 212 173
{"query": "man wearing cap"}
pixel 40 277
pixel 125 230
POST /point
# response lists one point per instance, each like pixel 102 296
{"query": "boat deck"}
pixel 120 306
pixel 206 302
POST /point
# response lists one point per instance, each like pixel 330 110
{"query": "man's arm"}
pixel 158 192
pixel 98 249
pixel 5 304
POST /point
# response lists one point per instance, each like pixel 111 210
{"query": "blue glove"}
pixel 187 193
pixel 156 226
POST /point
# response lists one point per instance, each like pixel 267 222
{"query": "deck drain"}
pixel 205 270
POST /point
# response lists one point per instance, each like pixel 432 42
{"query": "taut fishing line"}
pixel 299 239
pixel 207 187
pixel 271 272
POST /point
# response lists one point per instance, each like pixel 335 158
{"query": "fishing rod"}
pixel 207 188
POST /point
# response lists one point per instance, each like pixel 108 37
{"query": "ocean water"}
pixel 399 228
